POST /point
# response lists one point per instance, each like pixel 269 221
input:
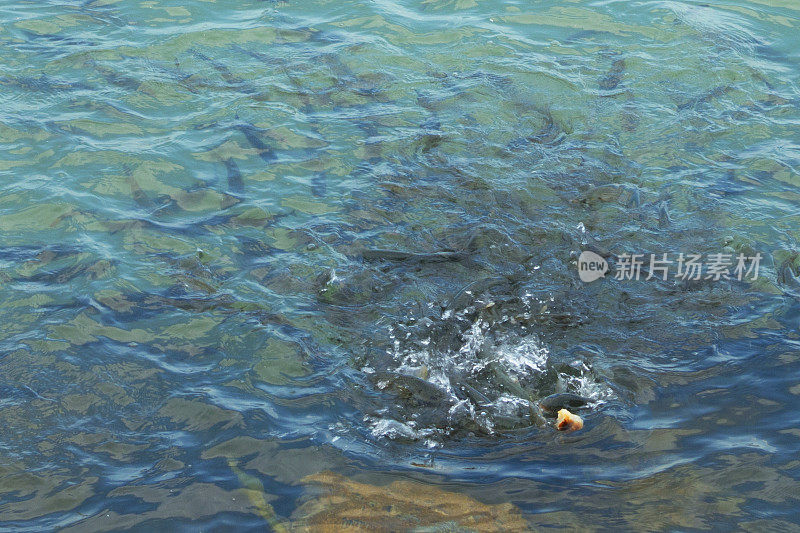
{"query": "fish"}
pixel 115 78
pixel 550 405
pixel 716 92
pixel 96 270
pixel 550 133
pixel 270 60
pixel 786 273
pixel 664 220
pixel 601 194
pixel 503 84
pixel 345 79
pixel 396 255
pixel 225 73
pixel 139 196
pixel 37 253
pixel 42 83
pixel 273 61
pixel 771 54
pixel 415 391
pixel 613 77
pixel 10 393
pixel 60 40
pixel 319 184
pixel 635 200
pixel 191 228
pixel 235 181
pixel 253 136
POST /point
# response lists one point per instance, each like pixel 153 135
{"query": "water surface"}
pixel 207 324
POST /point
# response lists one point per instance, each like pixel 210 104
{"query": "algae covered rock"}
pixel 347 505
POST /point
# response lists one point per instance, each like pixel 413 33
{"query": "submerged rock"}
pixel 343 504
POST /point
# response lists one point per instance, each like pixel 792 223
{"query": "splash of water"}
pixel 468 371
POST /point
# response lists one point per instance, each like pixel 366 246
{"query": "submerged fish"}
pixel 115 78
pixel 10 394
pixel 549 134
pixel 664 220
pixel 56 39
pixel 395 255
pixel 319 184
pixel 226 73
pixel 138 195
pixel 714 93
pixel 253 136
pixel 412 389
pixel 786 273
pixel 235 181
pixel 613 76
pixel 42 83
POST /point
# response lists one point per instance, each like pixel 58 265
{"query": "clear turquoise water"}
pixel 197 332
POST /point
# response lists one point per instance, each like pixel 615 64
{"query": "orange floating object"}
pixel 567 421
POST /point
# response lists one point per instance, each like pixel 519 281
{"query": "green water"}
pixel 208 322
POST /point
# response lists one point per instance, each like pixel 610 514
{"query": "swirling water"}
pixel 201 328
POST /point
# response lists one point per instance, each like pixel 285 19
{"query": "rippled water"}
pixel 209 320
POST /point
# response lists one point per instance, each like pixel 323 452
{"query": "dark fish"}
pixel 786 273
pixel 502 83
pixel 427 101
pixel 629 116
pixel 372 141
pixel 564 400
pixel 96 270
pixel 432 133
pixel 37 253
pixel 112 109
pixel 199 305
pixel 412 389
pixel 42 84
pixel 10 394
pixel 664 220
pixel 346 78
pixel 432 123
pixel 464 296
pixel 549 134
pixel 56 39
pixel 139 196
pixel 10 391
pixel 771 54
pixel 474 395
pixel 319 184
pixel 601 194
pixel 342 72
pixel 252 134
pixel 635 200
pixel 603 252
pixel 102 14
pixel 138 305
pixel 613 76
pixel 224 72
pixel 197 227
pixel 235 181
pixel 395 255
pixel 270 60
pixel 301 92
pixel 115 78
pixel 716 92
